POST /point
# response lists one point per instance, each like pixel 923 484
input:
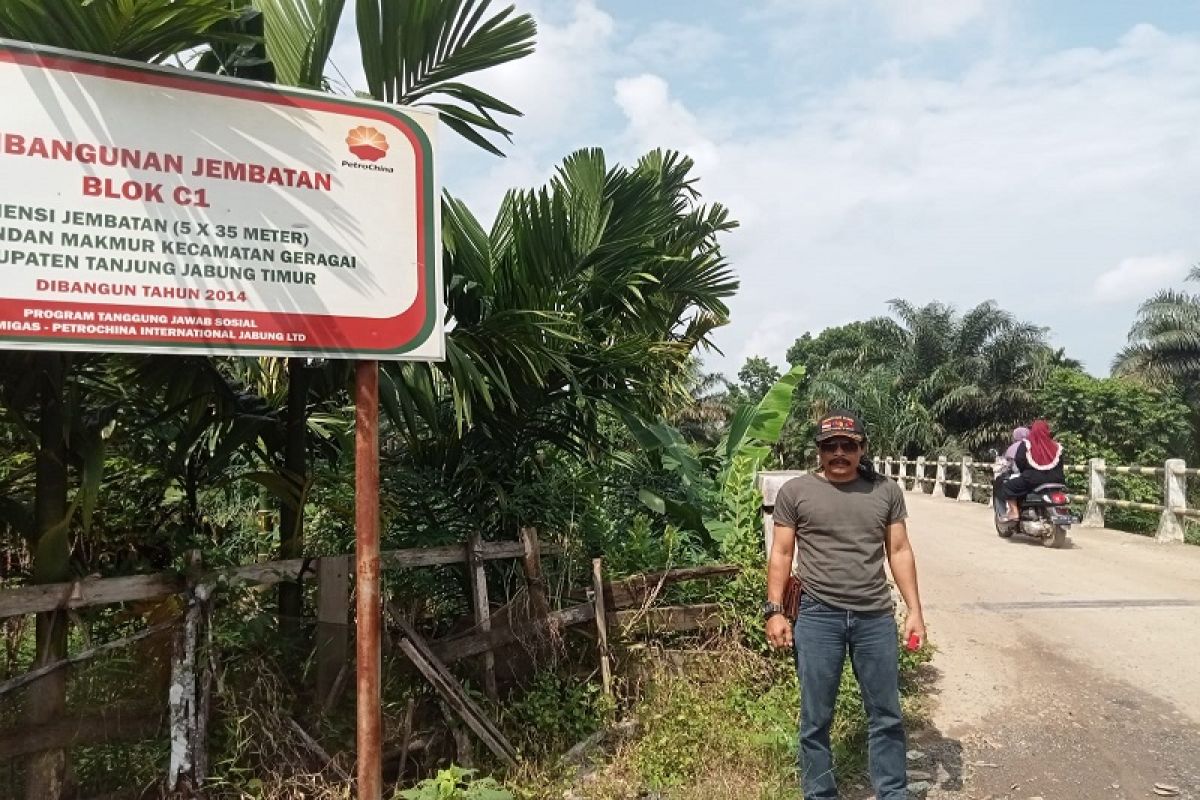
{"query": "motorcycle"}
pixel 1045 513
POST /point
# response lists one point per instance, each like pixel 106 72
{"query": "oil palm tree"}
pixel 898 423
pixel 1164 341
pixel 704 416
pixel 976 372
pixel 1164 348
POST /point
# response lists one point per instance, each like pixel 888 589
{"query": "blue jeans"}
pixel 823 636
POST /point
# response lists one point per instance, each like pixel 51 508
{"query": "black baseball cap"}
pixel 841 423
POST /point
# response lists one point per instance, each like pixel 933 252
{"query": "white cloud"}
pixel 918 20
pixel 1011 181
pixel 657 120
pixel 770 336
pixel 1139 277
pixel 669 45
pixel 1018 177
pixel 910 21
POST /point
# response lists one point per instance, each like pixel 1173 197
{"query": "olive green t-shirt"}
pixel 840 533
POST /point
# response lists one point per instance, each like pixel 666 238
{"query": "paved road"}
pixel 1068 674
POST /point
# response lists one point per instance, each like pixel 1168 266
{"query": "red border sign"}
pixel 203 313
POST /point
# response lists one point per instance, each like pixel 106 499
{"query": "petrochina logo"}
pixel 367 143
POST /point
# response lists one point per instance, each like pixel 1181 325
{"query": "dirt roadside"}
pixel 1062 675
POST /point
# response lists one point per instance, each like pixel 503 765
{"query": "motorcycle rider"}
pixel 1010 455
pixel 1037 460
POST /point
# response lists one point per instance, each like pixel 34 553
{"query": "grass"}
pixel 723 728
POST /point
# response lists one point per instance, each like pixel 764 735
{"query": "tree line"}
pixel 930 380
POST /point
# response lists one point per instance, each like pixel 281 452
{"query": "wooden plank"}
pixel 464 748
pixel 667 619
pixel 121 724
pixel 601 625
pixel 636 590
pixel 671 619
pixel 86 592
pixel 482 608
pixel 406 735
pixel 535 581
pixel 460 647
pixel 106 591
pixel 333 621
pixel 454 554
pixel 452 692
pixel 268 574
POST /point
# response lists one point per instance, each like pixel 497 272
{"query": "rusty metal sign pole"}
pixel 366 558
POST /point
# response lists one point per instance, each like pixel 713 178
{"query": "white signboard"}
pixel 154 210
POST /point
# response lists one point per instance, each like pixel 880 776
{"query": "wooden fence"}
pixel 621 606
pixel 187 703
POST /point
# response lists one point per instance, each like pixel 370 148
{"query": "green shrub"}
pixel 555 712
pixel 455 783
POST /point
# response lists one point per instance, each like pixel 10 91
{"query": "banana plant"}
pixel 716 504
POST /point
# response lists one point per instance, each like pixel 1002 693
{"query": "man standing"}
pixel 840 522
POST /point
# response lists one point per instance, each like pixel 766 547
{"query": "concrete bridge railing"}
pixel 976 482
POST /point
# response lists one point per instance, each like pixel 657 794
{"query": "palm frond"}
pixel 139 30
pixel 299 37
pixel 417 52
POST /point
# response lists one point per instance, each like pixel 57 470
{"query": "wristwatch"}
pixel 771 609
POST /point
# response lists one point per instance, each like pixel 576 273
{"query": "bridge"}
pixel 968 480
pixel 1069 674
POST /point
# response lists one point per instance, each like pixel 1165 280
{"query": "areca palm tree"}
pixel 413 53
pixel 142 30
pixel 586 298
pixel 138 30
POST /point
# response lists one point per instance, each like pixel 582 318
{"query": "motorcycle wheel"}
pixel 1057 539
pixel 1004 530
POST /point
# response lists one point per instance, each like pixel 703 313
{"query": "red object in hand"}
pixel 914 642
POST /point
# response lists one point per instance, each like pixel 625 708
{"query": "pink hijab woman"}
pixel 1037 460
pixel 1044 453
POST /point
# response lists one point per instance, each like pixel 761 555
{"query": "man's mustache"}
pixel 840 461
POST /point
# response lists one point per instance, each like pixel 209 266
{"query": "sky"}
pixel 1044 154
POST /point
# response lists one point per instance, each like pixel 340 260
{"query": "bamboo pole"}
pixel 601 624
